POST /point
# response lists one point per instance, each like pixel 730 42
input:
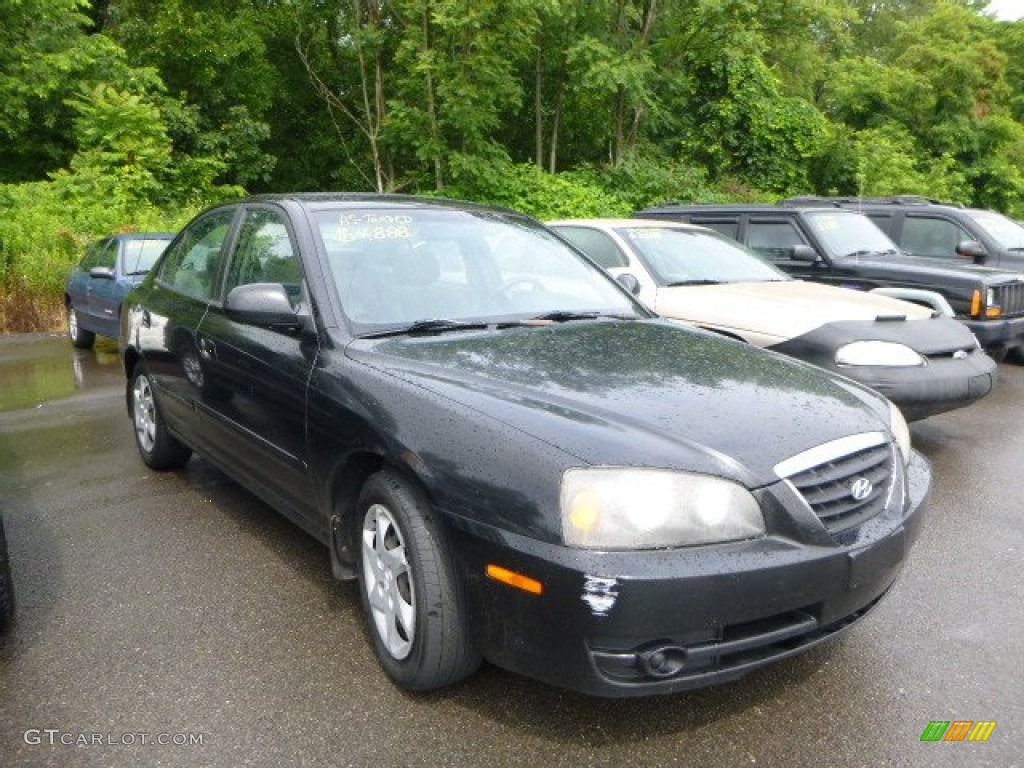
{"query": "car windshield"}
pixel 847 234
pixel 140 255
pixel 1008 233
pixel 395 268
pixel 692 257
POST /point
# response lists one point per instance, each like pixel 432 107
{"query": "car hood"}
pixel 643 393
pixel 782 309
pixel 954 273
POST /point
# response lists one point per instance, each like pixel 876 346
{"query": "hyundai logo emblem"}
pixel 861 488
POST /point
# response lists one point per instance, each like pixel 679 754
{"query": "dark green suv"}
pixel 932 228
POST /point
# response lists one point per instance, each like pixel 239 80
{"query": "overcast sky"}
pixel 1010 10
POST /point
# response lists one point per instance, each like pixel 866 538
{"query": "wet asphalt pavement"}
pixel 179 608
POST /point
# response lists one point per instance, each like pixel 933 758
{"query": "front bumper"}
pixel 1007 334
pixel 653 622
pixel 943 385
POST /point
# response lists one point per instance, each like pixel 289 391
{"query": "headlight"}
pixel 880 353
pixel 901 432
pixel 624 508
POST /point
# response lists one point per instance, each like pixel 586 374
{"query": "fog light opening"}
pixel 663 660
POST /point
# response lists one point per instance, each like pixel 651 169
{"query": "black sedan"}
pixel 518 461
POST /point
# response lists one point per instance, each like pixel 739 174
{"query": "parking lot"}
pixel 175 619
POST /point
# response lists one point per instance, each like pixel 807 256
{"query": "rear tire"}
pixel 410 592
pixel 158 449
pixel 80 338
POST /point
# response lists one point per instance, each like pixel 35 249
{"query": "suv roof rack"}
pixel 880 200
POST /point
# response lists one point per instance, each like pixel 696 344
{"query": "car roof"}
pixel 371 200
pixel 778 210
pixel 144 236
pixel 624 222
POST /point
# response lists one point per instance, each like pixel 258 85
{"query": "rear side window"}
pixel 596 244
pixel 773 239
pixel 193 261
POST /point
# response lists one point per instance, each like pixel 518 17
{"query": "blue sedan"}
pixel 96 286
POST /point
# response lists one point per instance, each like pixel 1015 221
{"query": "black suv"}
pixel 932 228
pixel 834 245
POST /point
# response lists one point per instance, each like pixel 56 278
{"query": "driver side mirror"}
pixel 972 250
pixel 629 282
pixel 106 273
pixel 263 304
pixel 804 253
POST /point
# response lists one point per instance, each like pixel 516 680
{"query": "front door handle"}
pixel 207 349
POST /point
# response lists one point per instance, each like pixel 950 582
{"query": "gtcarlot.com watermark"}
pixel 57 737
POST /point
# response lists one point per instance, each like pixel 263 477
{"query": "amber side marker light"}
pixel 976 303
pixel 513 579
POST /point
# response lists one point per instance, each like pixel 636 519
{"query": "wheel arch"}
pixel 345 484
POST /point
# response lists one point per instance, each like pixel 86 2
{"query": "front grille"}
pixel 1010 298
pixel 847 489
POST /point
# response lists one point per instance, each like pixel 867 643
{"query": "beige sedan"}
pixel 924 362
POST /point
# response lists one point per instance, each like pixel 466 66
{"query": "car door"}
pixel 172 307
pixel 774 238
pixel 252 409
pixel 104 300
pixel 932 236
pixel 78 284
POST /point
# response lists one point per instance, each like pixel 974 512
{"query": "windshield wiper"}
pixel 563 315
pixel 872 252
pixel 694 282
pixel 427 327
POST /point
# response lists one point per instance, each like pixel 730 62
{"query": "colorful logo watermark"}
pixel 958 730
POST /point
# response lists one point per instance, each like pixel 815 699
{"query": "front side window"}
pixel 394 267
pixel 928 236
pixel 192 263
pixel 597 245
pixel 106 256
pixel 773 239
pixel 92 255
pixel 265 253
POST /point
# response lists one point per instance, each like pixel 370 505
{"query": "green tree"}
pixel 212 58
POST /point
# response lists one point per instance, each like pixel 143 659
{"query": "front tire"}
pixel 411 595
pixel 6 586
pixel 80 338
pixel 158 449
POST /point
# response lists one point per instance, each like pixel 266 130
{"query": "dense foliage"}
pixel 127 114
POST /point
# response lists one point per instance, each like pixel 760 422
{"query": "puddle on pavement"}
pixel 34 369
